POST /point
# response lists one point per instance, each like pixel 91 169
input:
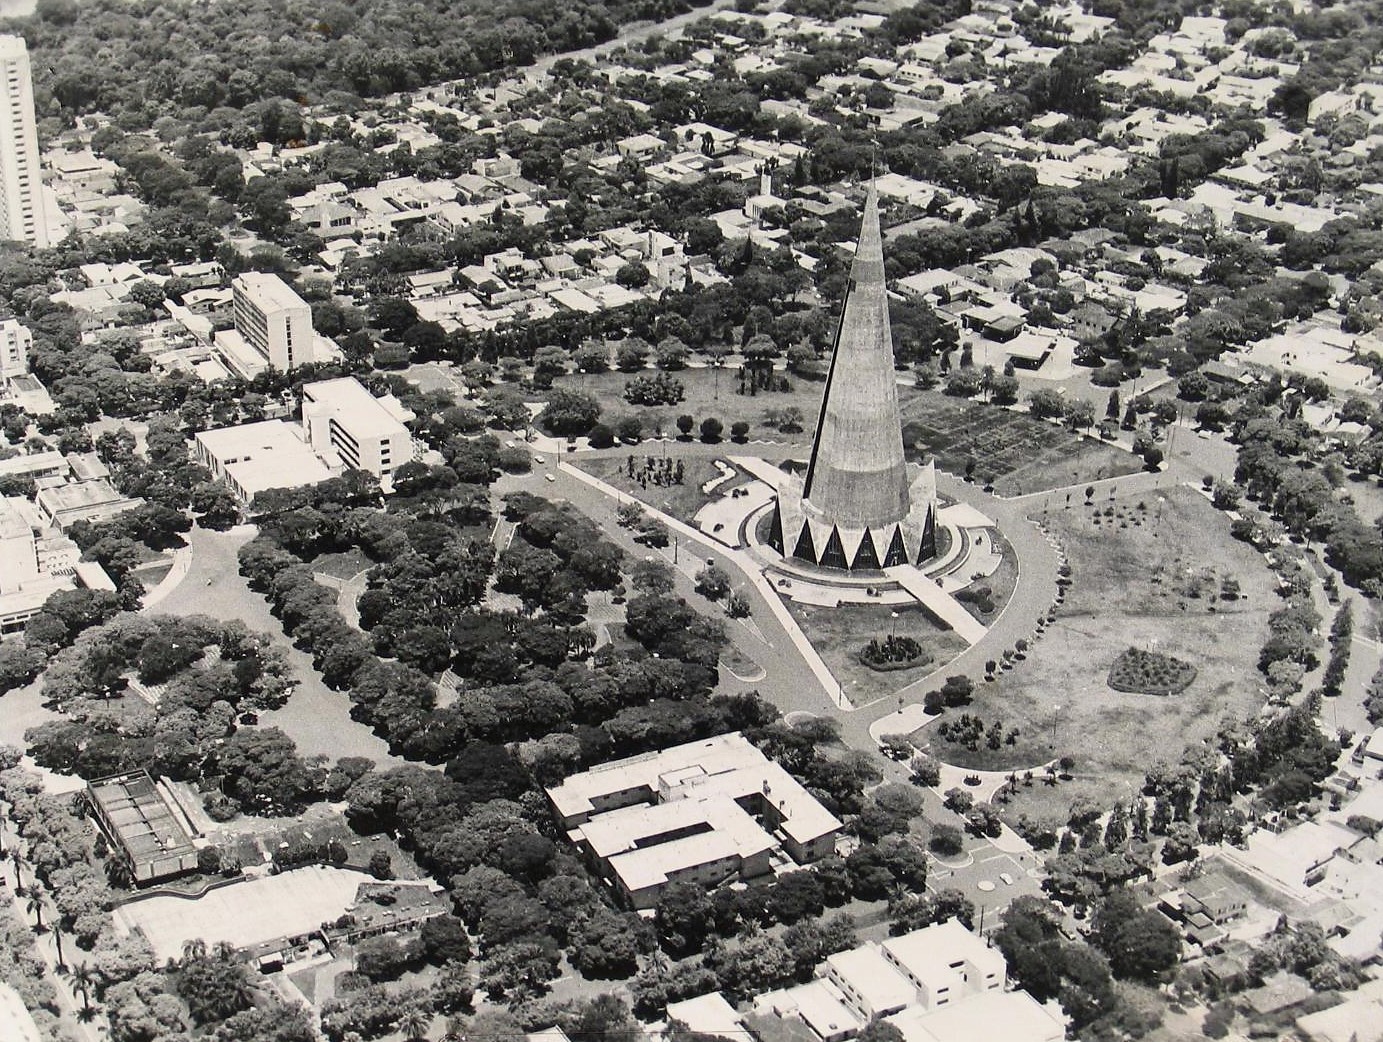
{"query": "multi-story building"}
pixel 709 812
pixel 342 418
pixel 22 215
pixel 273 320
pixel 15 341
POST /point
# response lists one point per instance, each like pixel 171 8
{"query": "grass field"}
pixel 1011 449
pixel 707 394
pixel 1151 579
pixel 839 634
pixel 681 501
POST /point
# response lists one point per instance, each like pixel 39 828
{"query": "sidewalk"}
pixel 746 565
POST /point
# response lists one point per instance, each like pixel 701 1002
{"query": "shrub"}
pixel 1150 672
pixel 893 652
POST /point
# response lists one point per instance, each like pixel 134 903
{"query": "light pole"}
pixel 893 629
pixel 1056 714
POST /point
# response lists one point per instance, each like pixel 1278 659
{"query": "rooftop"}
pixel 269 290
pixel 1014 1016
pixel 145 824
pixel 365 414
pixel 726 765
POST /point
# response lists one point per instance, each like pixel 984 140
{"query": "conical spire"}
pixel 857 475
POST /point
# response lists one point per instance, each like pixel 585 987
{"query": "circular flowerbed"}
pixel 894 652
pixel 1150 673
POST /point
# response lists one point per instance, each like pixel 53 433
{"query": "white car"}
pixel 549 477
pixel 1006 879
pixel 538 459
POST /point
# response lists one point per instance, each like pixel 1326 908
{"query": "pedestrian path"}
pixel 938 602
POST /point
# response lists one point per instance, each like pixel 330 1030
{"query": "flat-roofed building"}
pixel 31 568
pixel 708 812
pixel 146 828
pixel 728 765
pixel 273 319
pixel 64 504
pixel 15 341
pixel 1013 1016
pixel 258 456
pixel 707 1015
pixel 23 216
pixel 818 1005
pixel 341 417
pixel 869 982
pixel 945 962
pixel 641 849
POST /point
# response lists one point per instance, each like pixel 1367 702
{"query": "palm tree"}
pixel 57 941
pixel 118 873
pixel 82 980
pixel 414 1023
pixel 18 868
pixel 34 906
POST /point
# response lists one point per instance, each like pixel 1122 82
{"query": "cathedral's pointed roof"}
pixel 857 475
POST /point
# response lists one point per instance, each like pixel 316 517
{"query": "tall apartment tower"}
pixel 274 320
pixel 15 341
pixel 22 216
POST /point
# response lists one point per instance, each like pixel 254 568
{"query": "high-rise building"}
pixel 22 214
pixel 273 320
pixel 15 341
pixel 860 505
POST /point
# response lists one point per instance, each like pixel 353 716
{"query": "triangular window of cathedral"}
pixel 928 548
pixel 865 556
pixel 834 554
pixel 897 552
pixel 775 530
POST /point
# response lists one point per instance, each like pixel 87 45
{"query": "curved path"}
pixel 794 680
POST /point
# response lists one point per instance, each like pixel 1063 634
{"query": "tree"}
pixel 1140 944
pixel 796 896
pixel 683 916
pixel 380 958
pixel 712 582
pixel 444 940
pixel 711 429
pixel 569 413
pixel 685 424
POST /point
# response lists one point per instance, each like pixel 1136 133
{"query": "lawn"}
pixel 1010 449
pixel 680 501
pixel 1145 581
pixel 342 565
pixel 838 634
pixel 708 393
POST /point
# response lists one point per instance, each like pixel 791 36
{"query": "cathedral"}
pixel 859 506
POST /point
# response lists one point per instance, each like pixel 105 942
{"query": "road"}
pixel 635 32
pixel 770 644
pixel 316 718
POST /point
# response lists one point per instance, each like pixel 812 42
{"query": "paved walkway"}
pixel 747 567
pixel 939 603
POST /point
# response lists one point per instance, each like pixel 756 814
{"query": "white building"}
pixel 365 432
pixel 22 215
pixel 15 341
pixel 273 320
pixel 711 812
pixel 32 567
pixel 938 984
pixel 258 456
